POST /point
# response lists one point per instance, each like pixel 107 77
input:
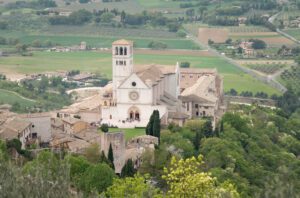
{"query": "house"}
pixel 41 125
pixel 17 129
pixel 73 125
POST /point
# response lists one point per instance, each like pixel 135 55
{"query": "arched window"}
pixel 116 51
pixel 121 50
pixel 125 51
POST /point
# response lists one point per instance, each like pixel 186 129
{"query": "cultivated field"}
pixel 294 32
pixel 100 62
pixel 7 97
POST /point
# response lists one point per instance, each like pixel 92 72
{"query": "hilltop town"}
pixel 149 98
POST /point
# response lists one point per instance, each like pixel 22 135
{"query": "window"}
pixel 133 84
pixel 125 50
pixel 191 76
pixel 116 51
pixel 182 76
pixel 121 50
pixel 196 105
pixel 197 113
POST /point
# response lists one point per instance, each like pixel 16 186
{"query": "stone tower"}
pixel 122 62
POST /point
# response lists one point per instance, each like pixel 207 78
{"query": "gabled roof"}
pixel 200 90
pixel 152 73
pixel 122 42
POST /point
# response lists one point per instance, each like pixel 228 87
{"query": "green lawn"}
pixel 100 62
pixel 11 98
pixel 150 4
pixel 129 133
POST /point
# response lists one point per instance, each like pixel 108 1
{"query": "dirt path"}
pixel 15 93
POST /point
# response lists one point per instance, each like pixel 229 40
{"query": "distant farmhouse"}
pixel 136 91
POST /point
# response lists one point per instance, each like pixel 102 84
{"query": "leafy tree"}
pixel 103 158
pixel 208 129
pixel 97 178
pixel 92 153
pixel 185 179
pixel 258 44
pixel 128 169
pixel 157 45
pixel 104 128
pixel 106 17
pixel 185 64
pixel 181 33
pixel 110 156
pixel 78 165
pixel 136 186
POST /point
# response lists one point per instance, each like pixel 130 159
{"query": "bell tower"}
pixel 122 62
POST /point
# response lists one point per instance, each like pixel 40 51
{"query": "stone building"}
pixel 137 91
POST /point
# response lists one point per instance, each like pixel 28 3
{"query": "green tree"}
pixel 92 153
pixel 128 169
pixel 110 156
pixel 149 127
pixel 185 64
pixel 106 17
pixel 156 125
pixel 136 186
pixel 185 179
pixel 97 178
pixel 104 128
pixel 208 129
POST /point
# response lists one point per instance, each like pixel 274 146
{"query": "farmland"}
pixel 294 32
pixel 267 69
pixel 100 62
pixel 7 97
pixel 291 77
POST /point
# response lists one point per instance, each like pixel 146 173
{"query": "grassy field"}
pixel 294 32
pixel 100 62
pixel 105 42
pixel 129 133
pixel 7 97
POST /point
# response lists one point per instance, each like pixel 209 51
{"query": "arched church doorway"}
pixel 134 114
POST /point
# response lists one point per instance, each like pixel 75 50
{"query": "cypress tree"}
pixel 222 126
pixel 111 156
pixel 149 128
pixel 103 159
pixel 156 124
pixel 208 129
pixel 197 140
pixel 128 169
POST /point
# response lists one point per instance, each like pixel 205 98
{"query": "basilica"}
pixel 177 93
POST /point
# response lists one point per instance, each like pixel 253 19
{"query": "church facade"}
pixel 136 91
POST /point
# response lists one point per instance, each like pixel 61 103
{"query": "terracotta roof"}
pixel 122 42
pixel 18 124
pixel 7 133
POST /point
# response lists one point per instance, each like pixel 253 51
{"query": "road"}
pixel 270 80
pixel 272 19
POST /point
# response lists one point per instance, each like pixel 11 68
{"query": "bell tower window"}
pixel 121 50
pixel 125 51
pixel 116 51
